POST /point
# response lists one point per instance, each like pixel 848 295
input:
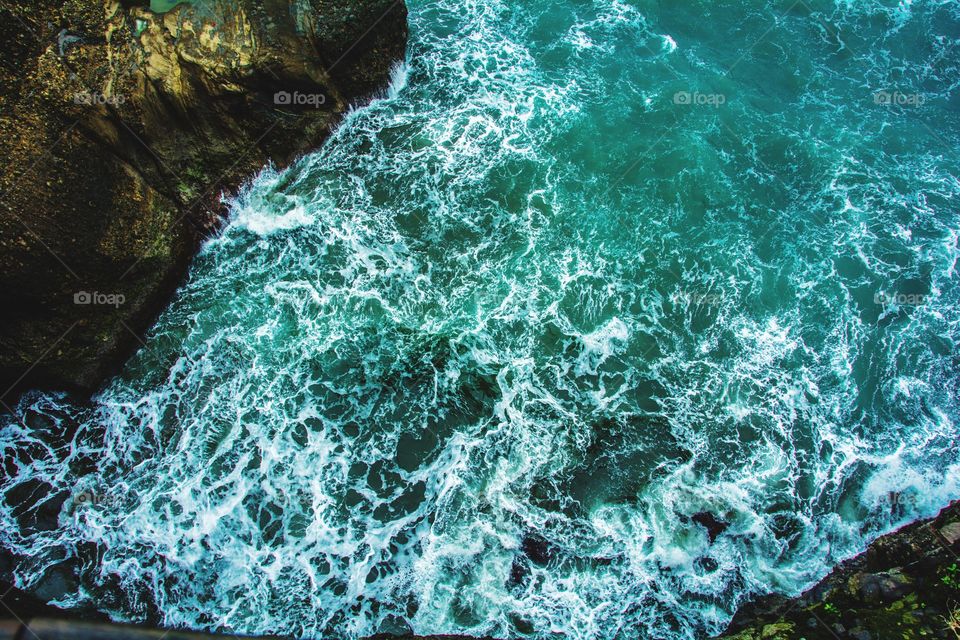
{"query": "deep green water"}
pixel 587 270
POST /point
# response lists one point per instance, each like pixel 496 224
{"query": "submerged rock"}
pixel 537 549
pixel 119 130
pixel 714 526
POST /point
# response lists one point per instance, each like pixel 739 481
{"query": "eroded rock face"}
pixel 119 130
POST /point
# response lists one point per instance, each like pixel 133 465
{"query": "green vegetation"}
pixel 953 621
pixel 951 576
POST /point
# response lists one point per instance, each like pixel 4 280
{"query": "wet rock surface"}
pixel 905 586
pixel 119 130
pixel 714 526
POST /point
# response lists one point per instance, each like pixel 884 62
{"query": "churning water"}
pixel 590 268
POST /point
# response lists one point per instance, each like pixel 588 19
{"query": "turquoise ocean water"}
pixel 586 270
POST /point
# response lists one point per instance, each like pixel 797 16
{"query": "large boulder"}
pixel 120 128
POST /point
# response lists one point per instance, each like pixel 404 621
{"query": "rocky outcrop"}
pixel 906 586
pixel 119 130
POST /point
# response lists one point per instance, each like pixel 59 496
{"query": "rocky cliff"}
pixel 905 587
pixel 119 130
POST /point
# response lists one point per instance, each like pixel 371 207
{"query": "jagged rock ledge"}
pixel 906 586
pixel 119 130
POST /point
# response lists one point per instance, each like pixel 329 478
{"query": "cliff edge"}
pixel 120 128
pixel 906 586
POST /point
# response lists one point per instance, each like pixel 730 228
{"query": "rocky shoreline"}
pixel 120 128
pixel 905 586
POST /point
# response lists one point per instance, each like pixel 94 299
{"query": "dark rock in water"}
pixel 119 130
pixel 519 571
pixel 903 586
pixel 709 564
pixel 537 549
pixel 711 523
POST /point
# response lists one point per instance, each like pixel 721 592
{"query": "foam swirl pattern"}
pixel 589 269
